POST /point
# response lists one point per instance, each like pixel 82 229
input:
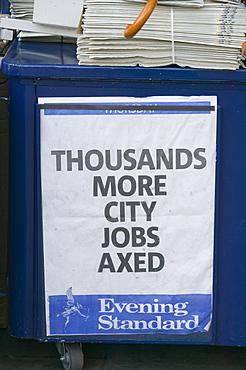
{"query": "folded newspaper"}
pixel 210 36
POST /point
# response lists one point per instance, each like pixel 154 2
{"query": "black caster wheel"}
pixel 72 356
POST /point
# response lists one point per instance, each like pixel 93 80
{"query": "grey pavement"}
pixel 25 354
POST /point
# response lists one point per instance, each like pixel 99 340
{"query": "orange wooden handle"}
pixel 244 48
pixel 132 29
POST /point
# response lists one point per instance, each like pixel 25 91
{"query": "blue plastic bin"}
pixel 4 7
pixel 38 70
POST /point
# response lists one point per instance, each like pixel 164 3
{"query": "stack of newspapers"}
pixel 21 9
pixel 205 34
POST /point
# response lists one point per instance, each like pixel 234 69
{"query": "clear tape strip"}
pixel 172 36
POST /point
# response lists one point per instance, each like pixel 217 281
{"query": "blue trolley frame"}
pixel 50 70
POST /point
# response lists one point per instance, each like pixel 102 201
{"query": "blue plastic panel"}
pixel 38 70
pixel 5 7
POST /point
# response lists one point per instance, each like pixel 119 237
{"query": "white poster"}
pixel 128 190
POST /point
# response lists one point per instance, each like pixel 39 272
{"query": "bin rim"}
pixel 58 60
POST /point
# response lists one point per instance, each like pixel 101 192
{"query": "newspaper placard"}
pixel 128 190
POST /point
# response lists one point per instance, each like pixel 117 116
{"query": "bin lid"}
pixel 58 60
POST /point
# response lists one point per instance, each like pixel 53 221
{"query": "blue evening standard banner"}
pixel 129 314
